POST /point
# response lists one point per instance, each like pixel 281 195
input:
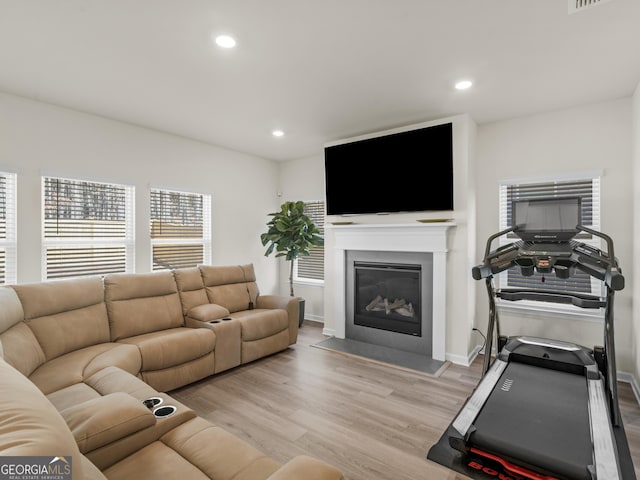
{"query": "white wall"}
pixel 305 177
pixel 41 139
pixel 635 133
pixel 303 180
pixel 587 138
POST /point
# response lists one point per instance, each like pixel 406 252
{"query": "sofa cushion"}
pixel 113 379
pixel 171 347
pixel 258 323
pixel 76 366
pixel 65 315
pixel 256 349
pixel 142 303
pixel 180 375
pixel 72 395
pixel 196 450
pixel 91 472
pixel 190 288
pixel 155 460
pixel 208 312
pixel 104 382
pixel 100 421
pixel 30 425
pixel 114 452
pixel 21 349
pixel 233 287
pixel 290 304
pixel 11 312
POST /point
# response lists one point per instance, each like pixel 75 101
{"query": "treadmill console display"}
pixel 547 220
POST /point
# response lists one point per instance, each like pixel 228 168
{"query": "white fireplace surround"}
pixel 418 237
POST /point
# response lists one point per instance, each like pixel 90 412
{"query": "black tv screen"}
pixel 409 171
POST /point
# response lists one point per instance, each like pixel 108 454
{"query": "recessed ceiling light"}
pixel 225 41
pixel 463 84
pixel 277 133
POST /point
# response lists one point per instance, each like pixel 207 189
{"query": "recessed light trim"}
pixel 277 133
pixel 463 84
pixel 225 41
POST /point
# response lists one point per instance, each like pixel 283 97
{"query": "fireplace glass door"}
pixel 387 296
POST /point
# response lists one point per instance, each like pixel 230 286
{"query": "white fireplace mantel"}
pixel 414 237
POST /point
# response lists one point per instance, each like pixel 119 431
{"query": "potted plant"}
pixel 291 234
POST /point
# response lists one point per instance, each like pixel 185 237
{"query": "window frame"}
pixel 10 240
pixel 205 240
pixel 127 241
pixel 318 219
pixel 597 288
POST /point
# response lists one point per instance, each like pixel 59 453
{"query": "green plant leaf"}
pixel 290 233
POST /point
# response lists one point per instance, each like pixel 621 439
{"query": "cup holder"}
pixel 163 412
pixel 152 402
pixel 526 266
pixel 564 268
pixel 225 319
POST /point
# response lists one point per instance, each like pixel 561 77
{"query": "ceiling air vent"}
pixel 576 6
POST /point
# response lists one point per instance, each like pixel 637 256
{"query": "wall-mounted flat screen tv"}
pixel 409 171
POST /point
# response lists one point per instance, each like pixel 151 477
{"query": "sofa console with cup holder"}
pixel 85 365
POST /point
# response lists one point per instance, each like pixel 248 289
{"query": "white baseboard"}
pixel 314 318
pixel 330 332
pixel 631 380
pixel 461 359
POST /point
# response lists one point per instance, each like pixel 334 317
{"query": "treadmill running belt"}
pixel 538 418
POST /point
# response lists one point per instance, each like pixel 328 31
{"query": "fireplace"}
pixel 387 296
pixel 428 240
pixel 389 299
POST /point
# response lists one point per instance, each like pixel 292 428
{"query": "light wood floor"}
pixel 372 421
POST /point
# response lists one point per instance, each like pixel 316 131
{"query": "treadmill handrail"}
pixel 487 250
pixel 550 296
pixel 605 237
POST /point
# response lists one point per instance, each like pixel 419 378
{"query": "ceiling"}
pixel 318 70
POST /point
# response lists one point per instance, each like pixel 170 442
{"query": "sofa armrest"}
pixel 308 468
pixel 207 312
pixel 275 301
pixel 290 304
pixel 103 420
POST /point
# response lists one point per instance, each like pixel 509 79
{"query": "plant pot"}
pixel 301 311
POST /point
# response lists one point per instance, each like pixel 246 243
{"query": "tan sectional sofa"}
pixel 79 357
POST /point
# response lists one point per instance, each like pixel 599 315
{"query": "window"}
pixel 588 189
pixel 180 229
pixel 8 243
pixel 311 268
pixel 87 228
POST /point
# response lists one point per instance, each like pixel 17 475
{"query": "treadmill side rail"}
pixel 605 455
pixel 546 342
pixel 469 412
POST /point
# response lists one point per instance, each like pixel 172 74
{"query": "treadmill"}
pixel 544 409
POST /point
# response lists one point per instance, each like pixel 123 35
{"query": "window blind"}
pixel 180 229
pixel 8 243
pixel 588 189
pixel 3 266
pixel 312 267
pixel 88 228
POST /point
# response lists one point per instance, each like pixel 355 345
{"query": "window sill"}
pixel 554 310
pixel 308 281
